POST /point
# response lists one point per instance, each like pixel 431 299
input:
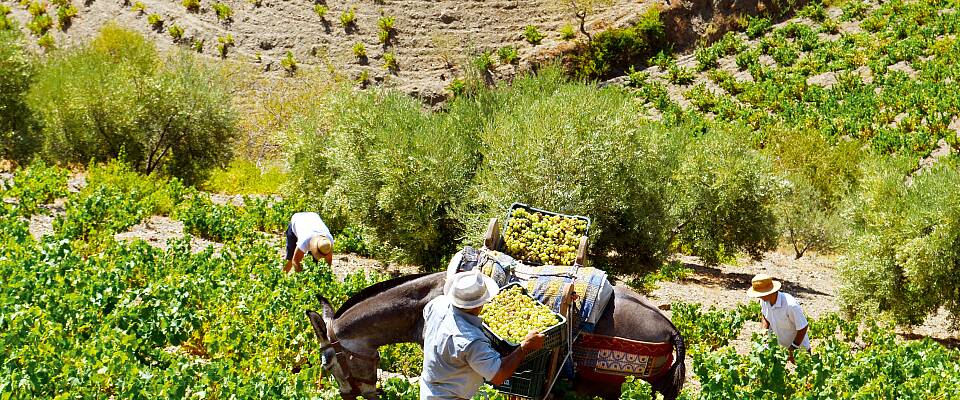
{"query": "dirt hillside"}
pixel 431 41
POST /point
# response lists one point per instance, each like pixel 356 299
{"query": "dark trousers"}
pixel 291 242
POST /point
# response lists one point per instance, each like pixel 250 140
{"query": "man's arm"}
pixel 297 259
pixel 764 323
pixel 510 363
pixel 798 340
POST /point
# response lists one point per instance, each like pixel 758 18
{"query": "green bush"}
pixel 176 32
pixel 386 165
pixel 902 258
pixel 224 12
pixel 705 330
pixel 390 62
pixel 757 26
pixel 288 63
pixel 360 51
pixel 34 186
pixel 707 58
pixel 320 10
pixel 245 177
pixel 532 35
pixel 387 29
pixel 191 5
pixel 724 200
pixel 116 95
pixel 507 55
pixel 615 50
pixel 155 20
pixel 348 18
pixel 18 138
pixel 65 15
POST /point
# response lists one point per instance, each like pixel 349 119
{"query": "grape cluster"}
pixel 513 314
pixel 546 239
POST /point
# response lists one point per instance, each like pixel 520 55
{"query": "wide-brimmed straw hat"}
pixel 470 289
pixel 762 285
pixel 320 246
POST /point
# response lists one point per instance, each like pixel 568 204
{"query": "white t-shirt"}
pixel 786 318
pixel 306 225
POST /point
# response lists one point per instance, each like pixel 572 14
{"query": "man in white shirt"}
pixel 782 314
pixel 307 234
pixel 457 356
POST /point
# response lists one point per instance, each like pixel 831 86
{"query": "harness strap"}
pixel 343 356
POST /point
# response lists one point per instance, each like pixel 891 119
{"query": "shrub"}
pixel 37 8
pixel 348 19
pixel 320 10
pixel 390 62
pixel 289 63
pixel 191 5
pixel 386 25
pixel 155 20
pixel 116 95
pixel 224 43
pixel 176 32
pixel 65 15
pixel 678 75
pixel 567 32
pixel 46 42
pixel 507 55
pixel 483 61
pixel 363 78
pixel 138 7
pixel 34 186
pixel 532 35
pixel 707 58
pixel 380 157
pixel 616 50
pixel 725 194
pixel 6 22
pixel 18 139
pixel 813 11
pixel 757 26
pixel 360 51
pixel 197 46
pixel 40 24
pixel 224 12
pixel 904 266
pixel 710 329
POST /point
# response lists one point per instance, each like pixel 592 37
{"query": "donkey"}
pixel 392 312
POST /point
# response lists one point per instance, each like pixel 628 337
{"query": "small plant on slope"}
pixel 532 35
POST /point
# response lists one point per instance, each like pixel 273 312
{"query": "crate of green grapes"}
pixel 541 237
pixel 512 314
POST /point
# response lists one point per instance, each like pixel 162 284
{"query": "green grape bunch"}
pixel 545 239
pixel 512 315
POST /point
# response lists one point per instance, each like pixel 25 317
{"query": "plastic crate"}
pixel 502 246
pixel 530 378
pixel 554 337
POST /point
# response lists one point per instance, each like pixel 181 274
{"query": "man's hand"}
pixel 532 342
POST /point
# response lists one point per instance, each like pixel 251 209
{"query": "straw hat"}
pixel 762 285
pixel 470 289
pixel 319 246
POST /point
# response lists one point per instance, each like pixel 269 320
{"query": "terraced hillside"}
pixel 428 39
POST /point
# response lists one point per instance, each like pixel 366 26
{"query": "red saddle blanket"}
pixel 611 359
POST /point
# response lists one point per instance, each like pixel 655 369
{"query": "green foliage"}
pixel 197 46
pixel 636 389
pixel 224 12
pixel 65 15
pixel 191 5
pixel 757 26
pixel 567 32
pixel 616 50
pixel 532 35
pixel 37 8
pixel 289 63
pixel 363 78
pixel 705 331
pixel 399 389
pixel 814 11
pixel 34 186
pixel 245 177
pixel 176 32
pixel 507 55
pixel 668 272
pixel 680 75
pixel 116 95
pixel 18 139
pixel 219 223
pixel 155 20
pixel 387 29
pixel 348 18
pixel 224 43
pixel 6 22
pixel 320 10
pixel 457 87
pixel 172 321
pixel 904 266
pixel 401 358
pixel 707 58
pixel 138 7
pixel 360 51
pixel 883 367
pixel 390 62
pixel 40 24
pixel 46 42
pixel 484 61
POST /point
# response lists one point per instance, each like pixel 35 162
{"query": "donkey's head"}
pixel 355 373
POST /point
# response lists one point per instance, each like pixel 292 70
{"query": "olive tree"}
pixel 118 95
pixel 17 133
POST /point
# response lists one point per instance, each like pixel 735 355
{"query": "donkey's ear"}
pixel 327 310
pixel 319 327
